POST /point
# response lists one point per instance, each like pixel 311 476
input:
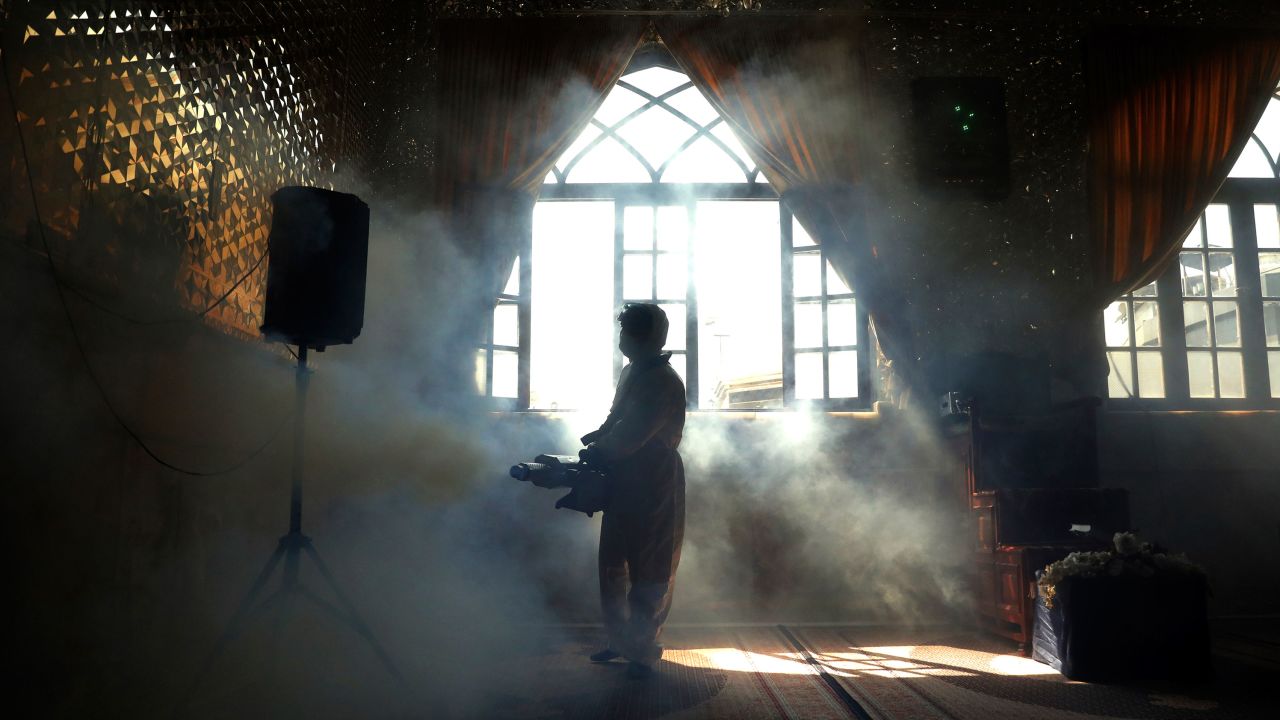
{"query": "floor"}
pixel 816 672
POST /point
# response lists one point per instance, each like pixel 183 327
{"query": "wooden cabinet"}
pixel 1031 483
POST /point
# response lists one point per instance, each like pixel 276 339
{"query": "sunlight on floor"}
pixel 899 661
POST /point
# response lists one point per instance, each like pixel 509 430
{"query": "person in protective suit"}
pixel 643 525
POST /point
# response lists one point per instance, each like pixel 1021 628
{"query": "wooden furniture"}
pixel 1031 483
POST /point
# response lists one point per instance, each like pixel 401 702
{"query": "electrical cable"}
pixel 66 310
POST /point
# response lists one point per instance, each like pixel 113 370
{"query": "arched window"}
pixel 1207 332
pixel 657 201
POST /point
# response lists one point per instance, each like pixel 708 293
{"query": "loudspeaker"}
pixel 319 249
pixel 961 135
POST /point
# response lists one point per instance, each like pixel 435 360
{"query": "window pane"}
pixel 1269 268
pixel 806 274
pixel 1271 319
pixel 1217 226
pixel 1223 269
pixel 799 236
pixel 836 286
pixel 608 162
pixel 1273 360
pixel 589 133
pixel 506 374
pixel 844 374
pixel 673 228
pixel 637 228
pixel 692 104
pixel 1268 129
pixel 1231 375
pixel 808 324
pixel 656 80
pixel 1195 238
pixel 1115 324
pixel 1192 274
pixel 1119 375
pixel 1146 321
pixel 482 360
pixel 703 161
pixel 1226 324
pixel 1148 290
pixel 1150 375
pixel 1252 163
pixel 1200 374
pixel 656 134
pixel 1195 313
pixel 677 331
pixel 506 325
pixel 724 134
pixel 809 376
pixel 573 266
pixel 673 276
pixel 513 280
pixel 737 247
pixel 842 323
pixel 637 277
pixel 619 103
pixel 1266 224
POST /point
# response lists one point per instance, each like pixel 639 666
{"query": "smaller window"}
pixel 1266 220
pixel 498 358
pixel 1210 309
pixel 1131 326
pixel 827 327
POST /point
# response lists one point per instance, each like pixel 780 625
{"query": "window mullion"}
pixel 618 209
pixel 1173 331
pixel 788 309
pixel 1136 390
pixel 690 306
pixel 826 345
pixel 1211 320
pixel 1253 334
pixel 525 316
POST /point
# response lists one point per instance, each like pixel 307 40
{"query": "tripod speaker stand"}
pixel 315 297
pixel 287 557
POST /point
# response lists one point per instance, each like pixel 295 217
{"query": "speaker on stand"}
pixel 318 253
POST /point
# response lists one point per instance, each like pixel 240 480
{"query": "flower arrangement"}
pixel 1131 557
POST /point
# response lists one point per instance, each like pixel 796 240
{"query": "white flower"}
pixel 1127 544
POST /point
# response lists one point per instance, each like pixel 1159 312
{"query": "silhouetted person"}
pixel 643 525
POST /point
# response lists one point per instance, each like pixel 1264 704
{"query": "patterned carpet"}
pixel 809 672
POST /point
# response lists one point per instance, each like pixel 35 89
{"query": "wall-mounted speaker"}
pixel 318 252
pixel 961 135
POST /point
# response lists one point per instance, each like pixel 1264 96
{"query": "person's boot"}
pixel 605 655
pixel 639 671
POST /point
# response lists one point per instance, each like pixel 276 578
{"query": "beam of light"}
pixel 735 660
pixel 847 665
pixel 961 660
pixel 1019 666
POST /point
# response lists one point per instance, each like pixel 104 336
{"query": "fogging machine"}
pixel 588 484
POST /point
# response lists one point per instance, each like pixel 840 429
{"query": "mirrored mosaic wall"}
pixel 157 131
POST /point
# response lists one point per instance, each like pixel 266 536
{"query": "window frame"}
pixel 1239 195
pixel 658 193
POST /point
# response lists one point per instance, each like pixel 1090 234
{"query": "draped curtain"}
pixel 514 95
pixel 1169 112
pixel 793 92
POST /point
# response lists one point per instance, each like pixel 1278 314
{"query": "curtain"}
pixel 793 92
pixel 514 95
pixel 1169 112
